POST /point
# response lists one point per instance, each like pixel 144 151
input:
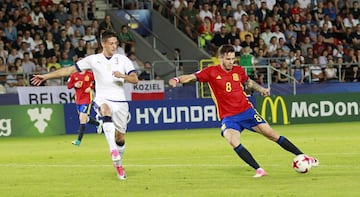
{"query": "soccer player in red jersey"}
pixel 83 83
pixel 227 82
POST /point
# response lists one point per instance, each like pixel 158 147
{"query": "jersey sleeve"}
pixel 85 63
pixel 129 67
pixel 203 75
pixel 70 82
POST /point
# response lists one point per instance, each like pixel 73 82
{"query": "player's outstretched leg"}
pixel 289 146
pixel 245 155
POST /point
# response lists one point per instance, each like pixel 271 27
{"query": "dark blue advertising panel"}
pixel 138 20
pixel 172 114
pixel 158 115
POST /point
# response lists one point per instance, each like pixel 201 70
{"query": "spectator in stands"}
pixel 127 39
pixel 41 66
pixel 313 33
pixel 239 12
pixel 304 46
pixel 253 23
pixel 61 15
pixel 65 60
pixel 272 46
pixel 3 66
pixel 29 40
pixel 191 15
pixel 205 12
pixel 49 42
pixel 330 11
pixel 232 35
pixel 12 56
pixel 262 12
pixel 25 49
pixel 219 39
pixel 53 63
pixel 330 72
pixel 293 45
pixel 37 41
pixel 11 31
pixel 27 64
pixel 138 64
pixel 13 80
pixel 302 34
pixel 146 74
pixel 297 71
pixel 3 53
pixel 80 50
pixel 247 60
pixel 241 23
pixel 218 24
pixel 247 42
pixel 309 21
pixel 41 28
pixel 237 47
pixel 206 31
pixel 36 14
pixel 318 11
pixel 106 24
pixel 79 26
pixel 246 32
pixel 290 32
pixel 308 58
pixel 267 35
pixel 278 33
pixel 316 72
pixel 355 37
pixel 262 46
pixel 282 75
pixel 89 37
pixel 327 34
pixel 284 48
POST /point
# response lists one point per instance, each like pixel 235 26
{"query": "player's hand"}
pixel 118 74
pixel 265 92
pixel 88 89
pixel 78 84
pixel 36 80
pixel 172 82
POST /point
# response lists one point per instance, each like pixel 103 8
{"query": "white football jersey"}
pixel 106 85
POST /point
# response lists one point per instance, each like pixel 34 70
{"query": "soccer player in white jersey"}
pixel 110 70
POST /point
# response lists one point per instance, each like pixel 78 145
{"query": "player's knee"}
pixel 120 142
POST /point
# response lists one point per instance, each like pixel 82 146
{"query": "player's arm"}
pixel 182 79
pixel 131 77
pixel 70 83
pixel 255 86
pixel 62 72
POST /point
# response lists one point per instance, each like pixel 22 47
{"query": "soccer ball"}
pixel 302 163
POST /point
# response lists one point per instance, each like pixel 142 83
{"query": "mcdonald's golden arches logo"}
pixel 274 107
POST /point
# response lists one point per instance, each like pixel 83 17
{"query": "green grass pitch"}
pixel 196 162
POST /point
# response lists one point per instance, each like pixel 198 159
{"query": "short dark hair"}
pixel 226 48
pixel 107 34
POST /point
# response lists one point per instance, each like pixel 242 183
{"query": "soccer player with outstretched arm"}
pixel 111 71
pixel 83 84
pixel 227 82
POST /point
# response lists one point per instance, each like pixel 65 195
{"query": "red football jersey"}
pixel 86 80
pixel 226 89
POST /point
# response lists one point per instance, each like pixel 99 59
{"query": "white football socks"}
pixel 109 130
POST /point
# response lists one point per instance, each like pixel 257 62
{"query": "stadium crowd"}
pixel 308 40
pixel 38 36
pixel 312 41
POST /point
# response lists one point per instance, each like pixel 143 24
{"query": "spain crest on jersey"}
pixel 87 78
pixel 235 77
